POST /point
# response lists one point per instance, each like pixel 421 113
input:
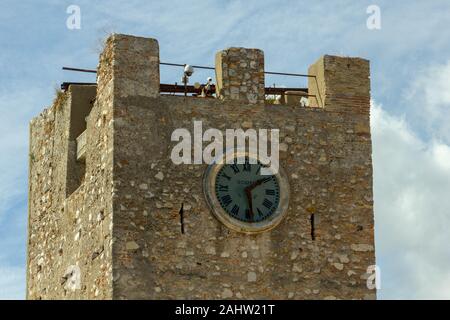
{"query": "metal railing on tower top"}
pixel 197 90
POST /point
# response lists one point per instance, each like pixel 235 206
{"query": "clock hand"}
pixel 248 193
pixel 254 185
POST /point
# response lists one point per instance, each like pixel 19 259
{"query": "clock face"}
pixel 244 199
pixel 245 194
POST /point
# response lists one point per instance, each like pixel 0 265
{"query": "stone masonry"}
pixel 240 75
pixel 108 227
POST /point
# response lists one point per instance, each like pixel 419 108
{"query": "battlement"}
pixel 239 74
pixel 108 205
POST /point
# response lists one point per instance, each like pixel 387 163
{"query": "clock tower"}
pixel 112 216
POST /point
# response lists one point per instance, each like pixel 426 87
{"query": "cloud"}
pixel 429 98
pixel 412 210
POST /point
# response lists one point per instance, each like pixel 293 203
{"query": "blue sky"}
pixel 410 66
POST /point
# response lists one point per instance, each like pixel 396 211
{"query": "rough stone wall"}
pixel 130 66
pixel 69 230
pixel 122 225
pixel 240 75
pixel 70 203
pixel 210 261
pixel 341 84
pixel 327 153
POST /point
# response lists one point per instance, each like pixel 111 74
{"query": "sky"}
pixel 410 76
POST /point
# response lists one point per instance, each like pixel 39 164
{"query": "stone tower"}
pixel 105 198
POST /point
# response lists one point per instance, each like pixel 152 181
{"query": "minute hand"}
pixel 248 193
pixel 254 185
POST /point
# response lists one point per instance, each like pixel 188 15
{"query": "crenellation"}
pixel 340 83
pixel 240 75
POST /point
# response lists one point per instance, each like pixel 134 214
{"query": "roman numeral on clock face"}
pixel 235 210
pixel 226 200
pixel 235 168
pixel 270 192
pixel 226 176
pixel 267 203
pixel 267 179
pixel 247 166
pixel 221 187
pixel 247 213
pixel 260 165
pixel 259 212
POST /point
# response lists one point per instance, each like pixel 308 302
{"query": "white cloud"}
pixel 412 210
pixel 429 99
